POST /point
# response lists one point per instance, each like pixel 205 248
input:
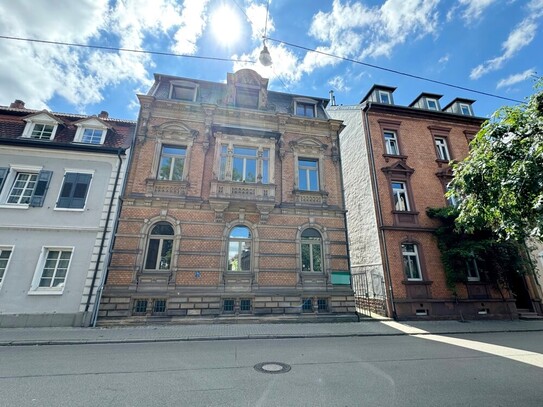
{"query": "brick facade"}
pixel 207 201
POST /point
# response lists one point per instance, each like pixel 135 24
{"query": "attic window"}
pixel 431 104
pixel 305 109
pixel 40 127
pixel 384 97
pixel 464 109
pixel 91 131
pixel 247 97
pixel 181 90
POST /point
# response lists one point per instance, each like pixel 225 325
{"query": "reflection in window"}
pixel 472 269
pixel 239 249
pixel 305 109
pixel 311 250
pixel 172 162
pixel 159 250
pixel 246 164
pixel 411 264
pixel 401 203
pixel 391 142
pixel 308 175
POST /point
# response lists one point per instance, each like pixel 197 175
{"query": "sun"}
pixel 225 24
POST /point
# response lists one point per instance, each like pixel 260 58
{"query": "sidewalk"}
pixel 171 333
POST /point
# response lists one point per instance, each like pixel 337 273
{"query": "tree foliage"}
pixel 500 184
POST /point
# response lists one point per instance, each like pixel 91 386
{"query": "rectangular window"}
pixel 245 305
pixel 92 136
pixel 73 193
pixel 140 307
pixel 307 305
pixel 473 270
pixel 411 264
pixel 465 109
pixel 54 269
pixel 441 149
pixel 308 175
pixel 322 305
pixel 431 104
pixel 5 254
pixel 172 163
pixel 305 109
pixel 247 97
pixel 159 306
pixel 391 143
pixel 228 305
pixel 23 188
pixel 180 92
pixel 451 201
pixel 399 191
pixel 42 131
pixel 384 97
pixel 244 164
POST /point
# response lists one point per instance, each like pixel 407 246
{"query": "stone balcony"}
pixel 243 191
pixel 166 188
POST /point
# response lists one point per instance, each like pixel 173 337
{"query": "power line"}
pixel 354 61
pixel 139 51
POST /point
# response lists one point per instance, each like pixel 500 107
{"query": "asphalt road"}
pixel 356 371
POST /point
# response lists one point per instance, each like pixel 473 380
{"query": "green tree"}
pixel 500 184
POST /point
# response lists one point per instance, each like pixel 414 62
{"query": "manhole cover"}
pixel 272 367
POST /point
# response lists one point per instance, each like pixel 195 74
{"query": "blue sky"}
pixel 493 46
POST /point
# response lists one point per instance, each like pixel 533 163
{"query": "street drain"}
pixel 272 367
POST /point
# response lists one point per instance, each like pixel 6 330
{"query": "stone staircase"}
pixel 526 314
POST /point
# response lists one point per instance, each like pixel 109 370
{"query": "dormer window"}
pixel 182 90
pixel 41 126
pixel 465 109
pixel 91 131
pixel 247 97
pixel 305 107
pixel 384 97
pixel 431 104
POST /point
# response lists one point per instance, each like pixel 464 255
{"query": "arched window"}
pixel 239 249
pixel 160 247
pixel 311 250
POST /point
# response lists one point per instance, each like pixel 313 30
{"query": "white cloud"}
pixel 36 72
pixel 257 18
pixel 338 82
pixel 516 78
pixel 474 9
pixel 520 37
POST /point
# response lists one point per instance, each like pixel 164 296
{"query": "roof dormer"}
pixel 91 131
pixel 427 101
pixel 380 94
pixel 247 89
pixel 41 126
pixel 460 106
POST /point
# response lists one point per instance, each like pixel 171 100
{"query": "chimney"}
pixel 332 98
pixel 18 104
pixel 103 114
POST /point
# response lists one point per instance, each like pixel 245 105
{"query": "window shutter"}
pixel 41 188
pixel 67 190
pixel 79 192
pixel 3 175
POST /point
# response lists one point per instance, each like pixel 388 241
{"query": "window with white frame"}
pixel 244 164
pixel 308 174
pixel 41 126
pixel 451 200
pixel 90 131
pixel 5 255
pixel 391 142
pixel 311 250
pixel 305 109
pixel 472 270
pixel 384 97
pixel 465 109
pixel 23 186
pixel 74 191
pixel 92 136
pixel 160 247
pixel 399 192
pixel 239 249
pixel 42 131
pixel 441 148
pixel 431 104
pixel 52 269
pixel 411 262
pixel 172 163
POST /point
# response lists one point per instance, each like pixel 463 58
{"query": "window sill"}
pixel 171 188
pixel 69 209
pixel 405 218
pixel 412 281
pixel 45 292
pixel 303 197
pixel 14 206
pixel 388 157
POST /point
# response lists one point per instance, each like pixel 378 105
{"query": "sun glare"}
pixel 225 25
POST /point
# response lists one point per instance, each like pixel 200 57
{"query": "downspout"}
pixel 378 209
pixel 102 243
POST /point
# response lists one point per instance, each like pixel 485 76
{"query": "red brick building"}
pixel 233 206
pixel 396 165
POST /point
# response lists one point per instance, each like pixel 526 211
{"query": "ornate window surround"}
pixel 311 149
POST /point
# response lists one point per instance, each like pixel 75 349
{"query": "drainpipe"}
pixel 378 209
pixel 102 244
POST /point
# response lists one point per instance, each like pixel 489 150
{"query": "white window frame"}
pixel 385 94
pixel 399 192
pixel 307 171
pixel 462 106
pixel 452 201
pixel 312 241
pixel 35 288
pixel 388 145
pixel 410 254
pixel 4 248
pixel 9 183
pixel 174 158
pixel 81 130
pixel 185 85
pixel 472 270
pixel 73 170
pixel 442 149
pixel 40 119
pixel 435 104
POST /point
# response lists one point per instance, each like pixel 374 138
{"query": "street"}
pixel 350 371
